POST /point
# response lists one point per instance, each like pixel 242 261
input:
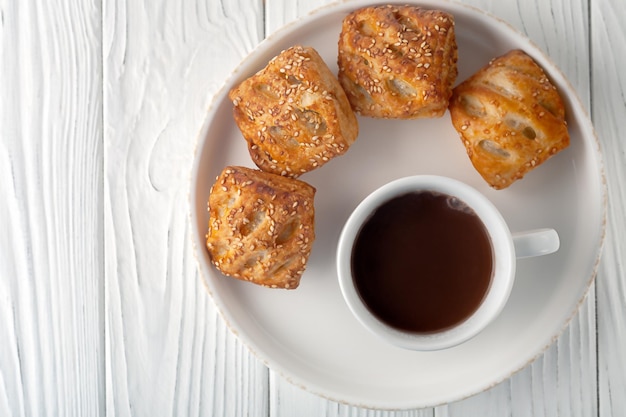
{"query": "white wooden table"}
pixel 102 311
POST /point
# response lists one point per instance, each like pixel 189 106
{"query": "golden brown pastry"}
pixel 510 118
pixel 294 114
pixel 398 61
pixel 261 226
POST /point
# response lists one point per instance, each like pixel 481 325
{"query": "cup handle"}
pixel 535 242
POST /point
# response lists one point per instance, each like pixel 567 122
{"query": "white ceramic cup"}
pixel 506 247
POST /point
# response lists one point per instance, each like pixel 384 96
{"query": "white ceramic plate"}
pixel 308 335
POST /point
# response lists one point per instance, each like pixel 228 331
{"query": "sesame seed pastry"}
pixel 510 118
pixel 261 226
pixel 398 61
pixel 294 114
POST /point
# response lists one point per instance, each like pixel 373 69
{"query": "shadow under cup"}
pixel 426 262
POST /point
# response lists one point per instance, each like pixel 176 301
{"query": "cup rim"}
pixel 502 247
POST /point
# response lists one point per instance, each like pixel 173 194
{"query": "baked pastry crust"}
pixel 398 61
pixel 261 226
pixel 510 118
pixel 294 114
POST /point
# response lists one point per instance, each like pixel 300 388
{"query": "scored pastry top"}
pixel 398 61
pixel 261 227
pixel 510 118
pixel 294 114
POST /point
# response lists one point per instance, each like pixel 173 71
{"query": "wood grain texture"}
pixel 280 12
pixel 609 113
pixel 167 351
pixel 51 345
pixel 102 311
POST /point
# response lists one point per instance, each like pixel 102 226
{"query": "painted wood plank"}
pixel 167 350
pixel 280 12
pixel 609 113
pixel 51 347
